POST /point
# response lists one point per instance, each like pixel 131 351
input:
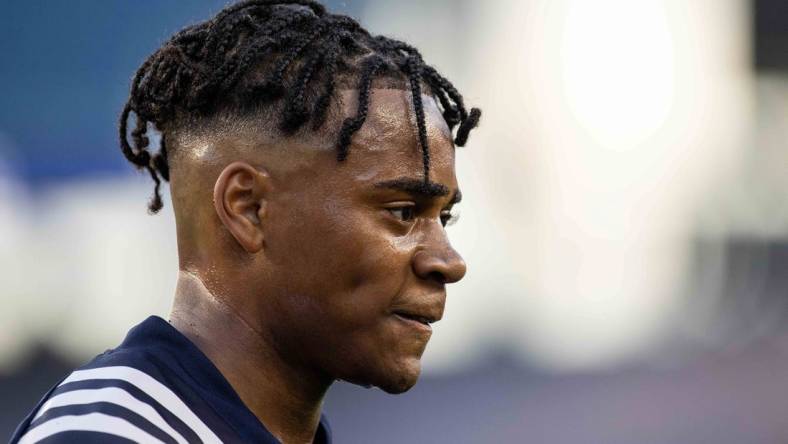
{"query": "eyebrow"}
pixel 418 187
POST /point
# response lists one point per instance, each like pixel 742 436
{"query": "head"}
pixel 311 168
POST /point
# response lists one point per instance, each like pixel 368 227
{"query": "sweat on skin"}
pixel 303 261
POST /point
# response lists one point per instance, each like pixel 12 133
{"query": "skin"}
pixel 297 270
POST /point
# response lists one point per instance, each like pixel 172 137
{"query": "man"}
pixel 311 168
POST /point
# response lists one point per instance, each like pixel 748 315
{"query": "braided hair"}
pixel 257 52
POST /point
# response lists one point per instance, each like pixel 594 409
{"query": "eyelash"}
pixel 448 217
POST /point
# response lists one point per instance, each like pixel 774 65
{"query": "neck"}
pixel 287 400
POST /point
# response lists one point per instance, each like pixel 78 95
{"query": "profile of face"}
pixel 356 252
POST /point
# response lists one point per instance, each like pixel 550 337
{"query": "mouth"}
pixel 419 321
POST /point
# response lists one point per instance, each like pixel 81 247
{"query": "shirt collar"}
pixel 209 383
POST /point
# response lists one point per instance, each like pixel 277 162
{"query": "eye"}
pixel 407 213
pixel 403 213
pixel 449 217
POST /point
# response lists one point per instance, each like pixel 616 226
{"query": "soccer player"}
pixel 311 169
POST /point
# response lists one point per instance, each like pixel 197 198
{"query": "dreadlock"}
pixel 256 52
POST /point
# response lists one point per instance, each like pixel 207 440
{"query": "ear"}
pixel 240 199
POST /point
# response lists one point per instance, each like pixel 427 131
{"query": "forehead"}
pixel 388 142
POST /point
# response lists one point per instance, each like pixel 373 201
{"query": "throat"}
pixel 286 400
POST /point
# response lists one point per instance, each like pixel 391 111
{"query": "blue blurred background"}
pixel 625 219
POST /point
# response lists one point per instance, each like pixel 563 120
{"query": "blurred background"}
pixel 625 219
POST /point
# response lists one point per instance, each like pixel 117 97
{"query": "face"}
pixel 357 250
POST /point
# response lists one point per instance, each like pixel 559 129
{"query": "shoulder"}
pixel 121 396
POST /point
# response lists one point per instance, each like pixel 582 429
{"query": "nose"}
pixel 443 265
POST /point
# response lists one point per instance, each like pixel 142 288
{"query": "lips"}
pixel 413 323
pixel 426 320
pixel 419 311
pixel 422 313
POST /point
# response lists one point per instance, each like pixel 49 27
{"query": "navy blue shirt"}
pixel 157 386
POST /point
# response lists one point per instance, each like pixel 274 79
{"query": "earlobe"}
pixel 240 199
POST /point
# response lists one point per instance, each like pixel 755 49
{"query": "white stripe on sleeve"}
pixel 92 422
pixel 112 395
pixel 152 388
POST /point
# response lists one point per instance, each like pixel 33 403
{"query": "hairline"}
pixel 236 121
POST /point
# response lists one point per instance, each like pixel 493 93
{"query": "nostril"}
pixel 437 267
pixel 437 276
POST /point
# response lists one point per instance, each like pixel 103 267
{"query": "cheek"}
pixel 367 270
pixel 338 279
pixel 345 260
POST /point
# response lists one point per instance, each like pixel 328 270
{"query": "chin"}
pixel 401 378
pixel 393 380
pixel 399 386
